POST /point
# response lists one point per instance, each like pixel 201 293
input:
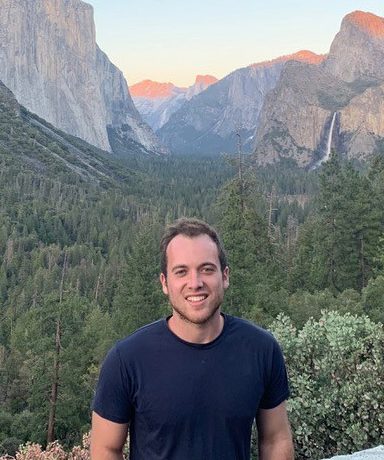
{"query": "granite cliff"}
pixel 348 87
pixel 50 60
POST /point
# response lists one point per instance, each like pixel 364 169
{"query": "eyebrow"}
pixel 204 264
pixel 177 267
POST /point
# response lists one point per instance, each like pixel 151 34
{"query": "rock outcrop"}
pixel 209 122
pixel 297 114
pixel 357 52
pixel 376 453
pixel 50 60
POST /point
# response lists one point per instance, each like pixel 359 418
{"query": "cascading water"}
pixel 329 144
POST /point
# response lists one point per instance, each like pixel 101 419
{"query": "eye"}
pixel 180 272
pixel 208 269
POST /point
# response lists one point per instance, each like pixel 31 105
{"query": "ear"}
pixel 226 277
pixel 163 281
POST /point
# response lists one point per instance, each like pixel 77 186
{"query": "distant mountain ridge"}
pixel 50 60
pixel 156 101
pixel 209 122
pixel 299 106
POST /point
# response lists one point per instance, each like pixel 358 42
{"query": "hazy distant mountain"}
pixel 345 92
pixel 50 60
pixel 156 102
pixel 208 123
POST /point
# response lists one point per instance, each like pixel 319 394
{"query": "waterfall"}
pixel 329 143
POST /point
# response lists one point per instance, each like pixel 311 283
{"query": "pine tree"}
pixel 139 300
pixel 245 238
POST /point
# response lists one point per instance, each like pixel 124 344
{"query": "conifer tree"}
pixel 139 299
pixel 245 237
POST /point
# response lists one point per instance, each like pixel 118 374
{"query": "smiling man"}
pixel 190 386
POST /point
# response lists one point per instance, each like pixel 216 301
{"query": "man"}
pixel 190 386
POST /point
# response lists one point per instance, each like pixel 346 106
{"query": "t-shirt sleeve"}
pixel 276 389
pixel 112 399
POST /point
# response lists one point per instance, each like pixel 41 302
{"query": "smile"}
pixel 197 298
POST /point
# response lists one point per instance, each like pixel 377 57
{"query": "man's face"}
pixel 195 283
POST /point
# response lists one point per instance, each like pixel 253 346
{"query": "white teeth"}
pixel 196 298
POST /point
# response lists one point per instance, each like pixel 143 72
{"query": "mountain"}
pixel 30 144
pixel 156 101
pixel 357 52
pixel 50 60
pixel 337 104
pixel 209 122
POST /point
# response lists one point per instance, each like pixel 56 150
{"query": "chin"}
pixel 198 319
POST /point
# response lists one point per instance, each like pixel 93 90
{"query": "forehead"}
pixel 183 250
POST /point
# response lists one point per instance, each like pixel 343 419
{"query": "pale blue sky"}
pixel 174 40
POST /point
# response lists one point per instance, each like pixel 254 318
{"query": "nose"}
pixel 195 281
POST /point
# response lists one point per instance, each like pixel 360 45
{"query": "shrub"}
pixel 336 370
pixel 54 451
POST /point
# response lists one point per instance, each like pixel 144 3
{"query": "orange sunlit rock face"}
pixel 154 90
pixel 368 22
pixel 303 56
pixel 205 79
pixel 151 89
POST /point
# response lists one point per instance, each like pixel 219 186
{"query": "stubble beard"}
pixel 196 321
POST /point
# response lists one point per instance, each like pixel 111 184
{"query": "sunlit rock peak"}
pixel 370 23
pixel 302 56
pixel 156 101
pixel 357 51
pixel 205 80
pixel 152 89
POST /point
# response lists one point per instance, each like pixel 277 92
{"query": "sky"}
pixel 175 40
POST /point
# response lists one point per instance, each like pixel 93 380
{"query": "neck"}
pixel 196 333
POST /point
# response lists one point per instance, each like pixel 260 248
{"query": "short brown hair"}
pixel 191 228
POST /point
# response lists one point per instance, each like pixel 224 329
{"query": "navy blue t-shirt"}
pixel 188 401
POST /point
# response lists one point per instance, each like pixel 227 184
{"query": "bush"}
pixel 10 446
pixel 54 451
pixel 373 299
pixel 336 370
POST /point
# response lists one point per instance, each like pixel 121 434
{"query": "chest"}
pixel 198 385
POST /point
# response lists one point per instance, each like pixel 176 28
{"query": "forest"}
pixel 79 266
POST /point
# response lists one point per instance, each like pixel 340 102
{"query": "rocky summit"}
pixel 335 105
pixel 156 101
pixel 50 60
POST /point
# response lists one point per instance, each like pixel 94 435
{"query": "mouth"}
pixel 196 298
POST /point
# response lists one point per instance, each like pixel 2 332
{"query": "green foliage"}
pixel 373 299
pixel 338 245
pixel 79 233
pixel 139 300
pixel 248 247
pixel 336 370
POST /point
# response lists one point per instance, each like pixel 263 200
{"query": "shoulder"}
pixel 249 330
pixel 251 337
pixel 142 339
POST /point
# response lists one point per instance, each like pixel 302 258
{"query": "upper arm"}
pixel 107 438
pixel 274 431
